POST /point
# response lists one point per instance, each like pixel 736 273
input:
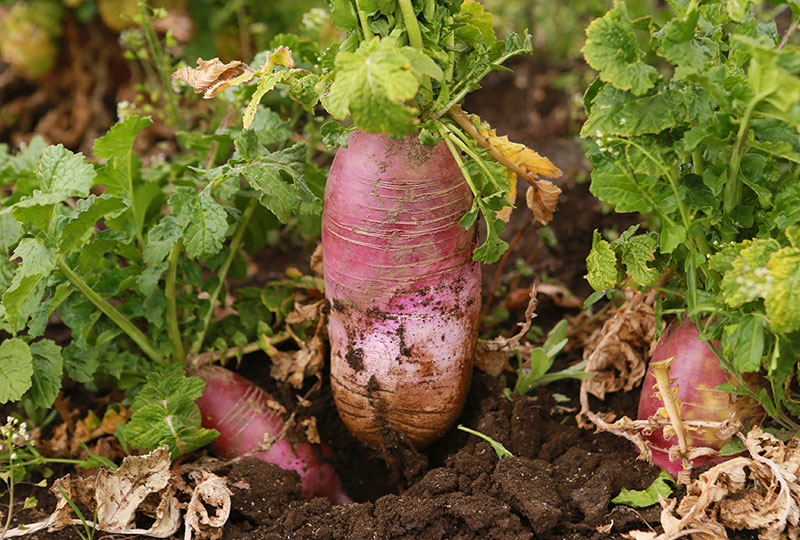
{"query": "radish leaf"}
pixel 612 49
pixel 660 488
pixel 16 368
pixel 164 413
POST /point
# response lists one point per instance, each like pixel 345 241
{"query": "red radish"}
pixel 694 373
pixel 403 288
pixel 241 412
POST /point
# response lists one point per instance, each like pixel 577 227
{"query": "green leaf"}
pixel 48 366
pixel 280 179
pixel 266 83
pixel 747 278
pixel 37 259
pixel 20 300
pixel 90 211
pixel 493 247
pixel 422 64
pixel 615 112
pixel 117 147
pixel 502 451
pixel 628 192
pixel 601 264
pixel 793 235
pixel 737 9
pixel 16 369
pixel 612 49
pixel 476 25
pixel 61 171
pixel 748 344
pixel 648 497
pixel 304 91
pixel 10 232
pixel 681 45
pixel 202 219
pixel 672 235
pixel 373 84
pixel 160 239
pixel 782 300
pixel 164 412
pixel 635 254
pixel 149 278
pixel 270 128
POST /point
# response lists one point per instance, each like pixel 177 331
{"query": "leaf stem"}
pixel 111 312
pixel 732 194
pixel 789 33
pixel 10 483
pixel 412 25
pixel 661 374
pixel 223 273
pixel 691 272
pixel 460 117
pixel 362 18
pixel 158 60
pixel 178 352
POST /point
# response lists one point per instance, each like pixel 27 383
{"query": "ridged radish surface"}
pixel 403 288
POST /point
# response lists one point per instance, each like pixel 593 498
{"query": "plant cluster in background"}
pixel 693 121
pixel 134 260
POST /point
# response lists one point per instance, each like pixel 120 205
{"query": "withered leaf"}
pixel 210 493
pixel 618 352
pixel 542 199
pixel 759 493
pixel 211 77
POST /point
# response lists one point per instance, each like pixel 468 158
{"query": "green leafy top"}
pixel 404 67
pixel 696 123
pixel 134 261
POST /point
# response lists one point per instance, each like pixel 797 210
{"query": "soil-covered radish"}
pixel 403 288
pixel 242 414
pixel 694 372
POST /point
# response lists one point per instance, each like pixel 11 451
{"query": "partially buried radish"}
pixel 403 288
pixel 241 412
pixel 694 372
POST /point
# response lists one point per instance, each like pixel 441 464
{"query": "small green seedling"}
pixel 647 497
pixel 501 450
pixel 542 359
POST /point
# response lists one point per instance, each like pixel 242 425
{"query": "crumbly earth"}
pixel 558 484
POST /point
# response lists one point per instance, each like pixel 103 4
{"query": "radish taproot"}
pixel 689 366
pixel 403 288
pixel 240 411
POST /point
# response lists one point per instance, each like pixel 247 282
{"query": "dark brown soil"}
pixel 558 484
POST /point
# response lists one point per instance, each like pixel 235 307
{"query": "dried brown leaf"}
pixel 211 77
pixel 294 366
pixel 560 295
pixel 491 357
pixel 118 494
pixel 210 493
pixel 618 352
pixel 760 493
pixel 309 426
pixel 317 262
pixel 542 199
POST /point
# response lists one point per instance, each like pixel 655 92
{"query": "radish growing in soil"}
pixel 689 366
pixel 242 414
pixel 398 233
pixel 402 285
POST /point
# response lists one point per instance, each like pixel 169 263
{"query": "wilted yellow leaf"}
pixel 520 160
